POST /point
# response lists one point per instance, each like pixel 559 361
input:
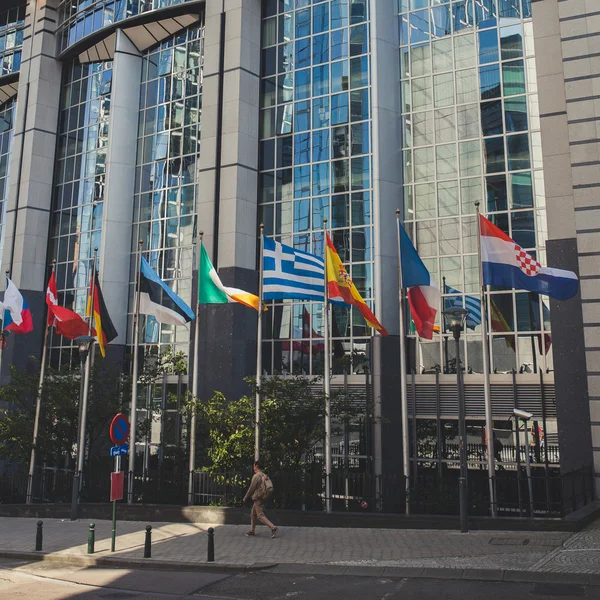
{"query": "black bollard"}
pixel 39 536
pixel 211 545
pixel 148 542
pixel 91 538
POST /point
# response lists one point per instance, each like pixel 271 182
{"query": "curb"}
pixel 469 574
pixel 133 563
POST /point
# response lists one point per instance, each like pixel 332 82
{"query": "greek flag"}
pixel 472 304
pixel 290 274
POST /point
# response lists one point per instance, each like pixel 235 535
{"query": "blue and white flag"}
pixel 160 301
pixel 290 274
pixel 472 304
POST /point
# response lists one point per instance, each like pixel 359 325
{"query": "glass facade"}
pixel 80 182
pixel 471 132
pixel 79 18
pixel 315 163
pixel 12 24
pixel 165 188
pixel 7 115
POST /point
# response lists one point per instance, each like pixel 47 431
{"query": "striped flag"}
pixel 105 330
pixel 290 274
pixel 472 304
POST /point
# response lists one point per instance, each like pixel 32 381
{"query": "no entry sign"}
pixel 119 430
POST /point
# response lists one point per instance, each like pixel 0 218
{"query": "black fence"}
pixel 477 453
pixel 432 491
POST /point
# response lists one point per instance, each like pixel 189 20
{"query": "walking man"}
pixel 260 491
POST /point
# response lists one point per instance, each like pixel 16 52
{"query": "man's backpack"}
pixel 266 488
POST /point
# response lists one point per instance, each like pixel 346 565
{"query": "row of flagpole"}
pixel 344 292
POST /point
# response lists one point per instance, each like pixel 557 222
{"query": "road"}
pixel 43 581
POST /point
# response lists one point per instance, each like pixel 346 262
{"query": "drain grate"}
pixel 508 541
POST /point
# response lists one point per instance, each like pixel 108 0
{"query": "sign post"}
pixel 119 432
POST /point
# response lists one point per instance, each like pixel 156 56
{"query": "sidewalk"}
pixel 185 544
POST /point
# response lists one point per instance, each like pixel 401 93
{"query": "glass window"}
pixel 268 93
pixel 359 40
pixel 269 32
pixel 523 228
pixel 420 60
pixel 515 111
pixel 494 155
pixel 359 72
pixel 513 78
pixel 466 86
pixel 340 142
pixel 320 80
pixel 339 44
pixel 511 42
pixel 422 128
pixel 448 198
pixel 320 49
pixel 340 176
pixel 442 55
pixel 521 190
pixel 424 164
pixel 509 9
pixel 339 13
pixel 321 17
pixel 321 179
pixel 302 116
pixel 339 109
pixel 361 173
pixel 302 148
pixel 301 182
pixel 467 120
pixel 449 232
pixel 320 147
pixel 443 89
pixel 491 118
pixel 302 87
pixel 445 125
pixel 421 93
pixel 267 155
pixel 320 112
pixel 419 26
pixel 303 22
pixel 441 22
pixel 301 215
pixel 488 46
pixel 360 138
pixel 286 27
pixel 497 198
pixel 339 76
pixel 485 13
pixel 489 81
pixel 446 161
pixel 285 88
pixel 303 51
pixel 284 151
pixel 425 201
pixel 470 158
pixel 427 238
pixel 470 192
pixel 359 105
pixel 518 152
pixel 462 14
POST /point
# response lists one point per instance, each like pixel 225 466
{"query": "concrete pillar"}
pixel 115 246
pixel 227 184
pixel 31 172
pixel 387 158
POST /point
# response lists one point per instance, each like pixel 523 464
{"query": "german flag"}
pixel 105 330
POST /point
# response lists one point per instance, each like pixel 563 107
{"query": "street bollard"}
pixel 211 545
pixel 39 536
pixel 91 538
pixel 148 542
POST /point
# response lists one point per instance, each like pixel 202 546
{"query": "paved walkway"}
pixel 187 543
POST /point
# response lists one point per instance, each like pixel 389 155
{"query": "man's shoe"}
pixel 273 532
pixel 250 534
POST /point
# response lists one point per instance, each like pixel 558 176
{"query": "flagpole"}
pixel 134 378
pixel 195 374
pixel 327 382
pixel 404 394
pixel 259 345
pixel 489 424
pixel 38 406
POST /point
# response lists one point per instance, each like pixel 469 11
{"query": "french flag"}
pixel 423 293
pixel 506 264
pixel 17 316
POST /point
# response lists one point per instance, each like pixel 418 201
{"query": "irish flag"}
pixel 212 291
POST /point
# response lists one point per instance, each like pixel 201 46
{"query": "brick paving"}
pixel 187 542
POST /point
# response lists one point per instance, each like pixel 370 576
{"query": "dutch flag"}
pixel 507 265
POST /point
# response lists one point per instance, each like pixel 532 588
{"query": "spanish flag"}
pixel 341 289
pixel 105 330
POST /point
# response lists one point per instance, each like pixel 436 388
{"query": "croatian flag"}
pixel 506 264
pixel 17 316
pixel 423 293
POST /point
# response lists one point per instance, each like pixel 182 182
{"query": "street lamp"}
pixel 84 344
pixel 455 322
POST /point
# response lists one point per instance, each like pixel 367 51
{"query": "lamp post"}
pixel 84 344
pixel 455 322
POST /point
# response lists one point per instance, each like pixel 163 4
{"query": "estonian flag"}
pixel 158 300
